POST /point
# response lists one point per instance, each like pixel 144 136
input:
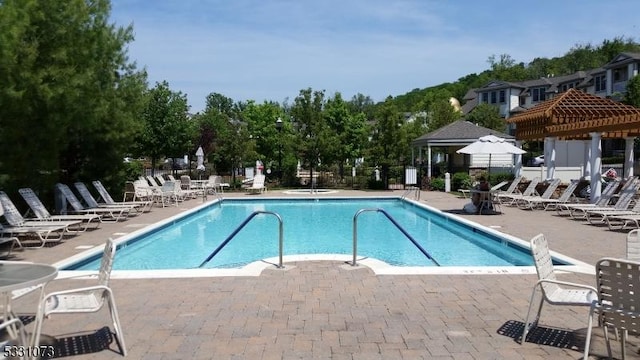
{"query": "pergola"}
pixel 576 115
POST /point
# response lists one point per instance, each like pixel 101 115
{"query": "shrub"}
pixel 461 180
pixel 437 184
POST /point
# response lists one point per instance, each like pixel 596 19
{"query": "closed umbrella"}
pixel 490 144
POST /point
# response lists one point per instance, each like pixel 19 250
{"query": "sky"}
pixel 269 50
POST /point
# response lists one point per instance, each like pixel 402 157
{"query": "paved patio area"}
pixel 324 309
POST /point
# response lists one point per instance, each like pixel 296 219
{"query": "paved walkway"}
pixel 324 309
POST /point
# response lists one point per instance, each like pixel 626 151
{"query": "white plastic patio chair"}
pixel 554 292
pixel 88 299
pixel 618 281
pixel 633 245
pixel 15 340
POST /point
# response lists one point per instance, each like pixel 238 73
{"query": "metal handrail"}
pixel 414 189
pixel 394 222
pixel 237 230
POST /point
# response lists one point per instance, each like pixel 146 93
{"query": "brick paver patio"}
pixel 329 310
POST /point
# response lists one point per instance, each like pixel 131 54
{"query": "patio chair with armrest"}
pixel 88 299
pixel 554 291
pixel 618 281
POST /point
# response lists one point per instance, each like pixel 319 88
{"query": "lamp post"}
pixel 279 128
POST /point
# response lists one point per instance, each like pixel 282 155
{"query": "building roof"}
pixel 575 114
pixel 459 132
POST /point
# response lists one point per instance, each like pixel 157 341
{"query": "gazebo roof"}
pixel 460 132
pixel 574 114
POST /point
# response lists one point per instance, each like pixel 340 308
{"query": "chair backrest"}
pixel 258 182
pixel 185 181
pixel 171 178
pixel 11 213
pixel 151 181
pixel 169 186
pixel 618 281
pixel 548 192
pixel 531 188
pixel 34 203
pixel 568 191
pixel 513 185
pixel 160 179
pixel 633 245
pixel 543 262
pixel 106 263
pixel 104 194
pixel 627 193
pixel 608 192
pixel 214 180
pixel 86 195
pixel 70 196
pixel 498 185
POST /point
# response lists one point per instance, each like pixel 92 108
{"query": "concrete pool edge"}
pixel 377 266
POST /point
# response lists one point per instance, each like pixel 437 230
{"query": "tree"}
pixel 632 97
pixel 313 133
pixel 168 132
pixel 69 98
pixel 386 136
pixel 441 114
pixel 487 115
pixel 349 131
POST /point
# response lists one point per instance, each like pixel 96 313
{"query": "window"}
pixel 485 97
pixel 538 94
pixel 502 97
pixel 493 97
pixel 600 83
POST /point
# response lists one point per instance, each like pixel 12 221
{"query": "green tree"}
pixel 349 131
pixel 632 97
pixel 69 96
pixel 441 114
pixel 313 133
pixel 487 115
pixel 168 132
pixel 387 135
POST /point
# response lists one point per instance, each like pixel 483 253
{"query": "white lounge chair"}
pixel 144 206
pixel 530 202
pixel 510 199
pixel 554 291
pixel 41 212
pixel 551 203
pixel 625 196
pixel 84 300
pixel 603 200
pixel 13 217
pixel 258 185
pixel 91 202
pixel 43 233
pixel 108 214
pixel 618 281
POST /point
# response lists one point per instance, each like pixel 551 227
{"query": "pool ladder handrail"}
pixel 394 222
pixel 242 225
pixel 408 191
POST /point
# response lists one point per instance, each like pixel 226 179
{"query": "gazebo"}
pixel 456 135
pixel 576 115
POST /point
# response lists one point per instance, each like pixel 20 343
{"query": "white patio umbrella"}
pixel 490 144
pixel 200 156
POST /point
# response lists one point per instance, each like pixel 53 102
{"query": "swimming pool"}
pixel 316 226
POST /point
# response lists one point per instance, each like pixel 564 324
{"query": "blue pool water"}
pixel 314 226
